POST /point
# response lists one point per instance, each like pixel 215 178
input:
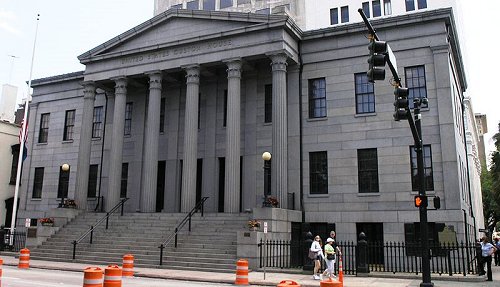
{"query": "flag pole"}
pixel 21 144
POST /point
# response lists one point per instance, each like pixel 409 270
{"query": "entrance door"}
pixel 375 237
pixel 9 206
pixel 160 186
pixel 222 172
pixel 199 179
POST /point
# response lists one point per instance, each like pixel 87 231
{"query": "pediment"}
pixel 177 27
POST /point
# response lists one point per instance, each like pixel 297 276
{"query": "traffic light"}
pixel 420 200
pixel 378 51
pixel 400 103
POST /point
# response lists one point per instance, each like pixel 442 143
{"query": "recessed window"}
pixel 429 181
pixel 225 109
pixel 410 5
pixel 15 159
pixel 366 8
pixel 43 133
pixel 192 5
pixel 62 189
pixel 127 130
pixel 387 7
pixel 318 172
pixel 209 5
pixel 124 181
pixel 268 104
pixel 334 16
pixel 162 115
pixel 344 13
pixel 376 8
pixel 415 82
pixel 69 125
pixel 97 122
pixel 367 170
pixel 226 4
pixel 365 95
pixel 317 98
pixel 92 188
pixel 422 4
pixel 38 182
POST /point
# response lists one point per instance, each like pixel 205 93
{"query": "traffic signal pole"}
pixel 415 123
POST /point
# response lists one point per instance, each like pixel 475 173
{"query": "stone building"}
pixel 183 106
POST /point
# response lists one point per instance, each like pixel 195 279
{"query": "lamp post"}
pixel 266 156
pixel 65 169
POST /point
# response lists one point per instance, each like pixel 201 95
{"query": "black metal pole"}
pixel 424 237
pixel 161 254
pixel 74 249
pixel 267 178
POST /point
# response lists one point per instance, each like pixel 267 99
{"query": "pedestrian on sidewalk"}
pixel 336 250
pixel 487 250
pixel 330 258
pixel 497 253
pixel 316 248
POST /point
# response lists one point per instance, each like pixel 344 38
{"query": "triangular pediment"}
pixel 177 27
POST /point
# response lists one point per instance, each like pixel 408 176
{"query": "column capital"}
pixel 233 68
pixel 278 61
pixel 155 80
pixel 192 74
pixel 89 90
pixel 120 85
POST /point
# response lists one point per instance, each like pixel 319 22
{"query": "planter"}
pixel 253 228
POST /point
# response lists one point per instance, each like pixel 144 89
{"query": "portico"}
pixel 192 71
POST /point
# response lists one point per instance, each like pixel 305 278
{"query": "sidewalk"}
pixel 274 278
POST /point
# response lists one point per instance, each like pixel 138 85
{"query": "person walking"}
pixel 487 250
pixel 330 258
pixel 316 248
pixel 335 248
pixel 497 253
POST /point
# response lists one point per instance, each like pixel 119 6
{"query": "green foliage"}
pixel 490 185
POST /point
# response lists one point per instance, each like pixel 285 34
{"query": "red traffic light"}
pixel 420 200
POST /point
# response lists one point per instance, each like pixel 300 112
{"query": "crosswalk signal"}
pixel 420 200
pixel 377 60
pixel 401 103
pixel 437 202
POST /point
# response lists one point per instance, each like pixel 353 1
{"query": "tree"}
pixel 490 184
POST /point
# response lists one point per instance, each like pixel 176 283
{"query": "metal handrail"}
pixel 187 219
pixel 92 227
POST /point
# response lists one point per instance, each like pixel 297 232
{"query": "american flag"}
pixel 25 149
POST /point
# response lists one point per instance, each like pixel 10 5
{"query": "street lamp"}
pixel 266 156
pixel 64 188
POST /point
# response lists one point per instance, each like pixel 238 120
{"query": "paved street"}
pixel 49 274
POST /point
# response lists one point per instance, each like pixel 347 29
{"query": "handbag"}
pixel 312 255
pixel 330 256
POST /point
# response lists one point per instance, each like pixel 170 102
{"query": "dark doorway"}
pixel 9 207
pixel 222 172
pixel 375 236
pixel 160 186
pixel 199 179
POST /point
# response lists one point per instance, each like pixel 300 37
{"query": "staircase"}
pixel 210 246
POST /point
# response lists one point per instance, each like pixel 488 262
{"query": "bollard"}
pixel 92 277
pixel 288 283
pixel 112 276
pixel 24 259
pixel 242 272
pixel 128 265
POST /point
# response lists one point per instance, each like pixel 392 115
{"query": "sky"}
pixel 68 28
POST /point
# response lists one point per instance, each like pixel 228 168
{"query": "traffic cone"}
pixel 341 273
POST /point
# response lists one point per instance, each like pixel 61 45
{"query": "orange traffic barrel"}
pixel 242 272
pixel 92 277
pixel 331 283
pixel 341 273
pixel 128 265
pixel 113 276
pixel 288 283
pixel 1 263
pixel 24 259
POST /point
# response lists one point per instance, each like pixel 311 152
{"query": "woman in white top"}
pixel 316 248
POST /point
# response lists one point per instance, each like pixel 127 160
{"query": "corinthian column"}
pixel 116 154
pixel 279 164
pixel 150 147
pixel 232 170
pixel 83 165
pixel 188 195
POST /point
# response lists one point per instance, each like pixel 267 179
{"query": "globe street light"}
pixel 266 156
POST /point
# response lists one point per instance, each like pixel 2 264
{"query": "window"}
pixel 334 16
pixel 124 182
pixel 415 82
pixel 225 109
pixel 366 8
pixel 192 5
pixel 43 134
pixel 344 13
pixel 97 122
pixel 162 115
pixel 317 98
pixel 209 5
pixel 367 170
pixel 38 183
pixel 318 172
pixel 226 3
pixel 268 104
pixel 429 182
pixel 62 190
pixel 69 124
pixel 377 9
pixel 365 96
pixel 410 5
pixel 387 7
pixel 15 158
pixel 92 189
pixel 422 4
pixel 128 119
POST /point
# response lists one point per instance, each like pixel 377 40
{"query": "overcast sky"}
pixel 68 28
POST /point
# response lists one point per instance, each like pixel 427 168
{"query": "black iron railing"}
pixel 198 207
pixel 18 241
pixel 395 257
pixel 90 231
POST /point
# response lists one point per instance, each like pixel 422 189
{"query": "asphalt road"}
pixel 14 277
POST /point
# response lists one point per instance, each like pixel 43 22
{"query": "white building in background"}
pixel 9 148
pixel 8 103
